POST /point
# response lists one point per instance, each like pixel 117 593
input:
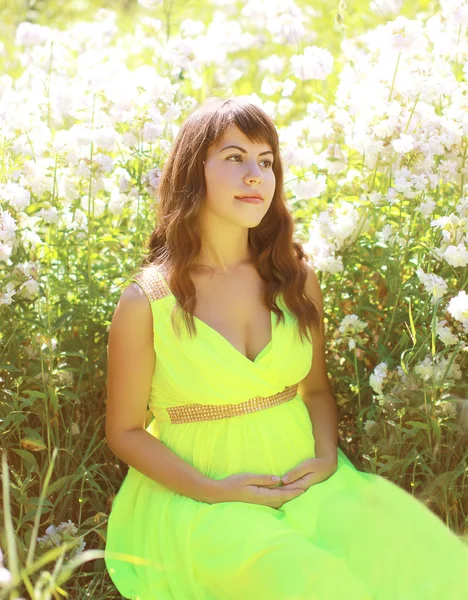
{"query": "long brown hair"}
pixel 175 243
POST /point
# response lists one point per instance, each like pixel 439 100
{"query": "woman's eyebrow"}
pixel 245 151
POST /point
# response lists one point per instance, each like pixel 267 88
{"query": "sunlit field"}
pixel 370 100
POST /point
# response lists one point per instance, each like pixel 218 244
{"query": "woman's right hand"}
pixel 253 488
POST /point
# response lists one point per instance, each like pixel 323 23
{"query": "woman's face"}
pixel 231 172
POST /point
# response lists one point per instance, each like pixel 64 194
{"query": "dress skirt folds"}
pixel 355 536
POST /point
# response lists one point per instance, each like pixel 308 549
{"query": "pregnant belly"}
pixel 269 441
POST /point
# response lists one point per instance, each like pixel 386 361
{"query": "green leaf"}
pixel 27 457
pixel 53 398
pixel 10 368
pixel 32 440
pixel 418 425
pixel 59 483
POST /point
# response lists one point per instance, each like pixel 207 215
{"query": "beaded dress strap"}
pixel 152 283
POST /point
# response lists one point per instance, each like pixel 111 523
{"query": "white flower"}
pixel 105 138
pixel 333 159
pixel 336 227
pixel 434 285
pixel 117 202
pixel 15 194
pixel 124 183
pixel 29 289
pixel 314 63
pixel 385 128
pixel 402 375
pixel 75 429
pixel 371 427
pixel 129 139
pixel 39 176
pixel 426 208
pixel 49 215
pixel 462 207
pixel 152 131
pixel 5 577
pixel 387 234
pixel 456 10
pixel 81 134
pixel 313 187
pixel 376 198
pixel 445 334
pixel 403 33
pixel 288 88
pixel 105 162
pixel 270 86
pixel 456 256
pixel 404 144
pixel 377 378
pixel 325 262
pixel 27 269
pixel 351 325
pixel 7 226
pixel 30 34
pixel 392 195
pixel 273 64
pixel 67 188
pixel 82 170
pixel 458 308
pixel 434 369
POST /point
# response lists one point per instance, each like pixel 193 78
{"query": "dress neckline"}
pixel 224 340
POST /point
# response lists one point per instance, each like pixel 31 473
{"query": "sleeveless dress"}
pixel 355 536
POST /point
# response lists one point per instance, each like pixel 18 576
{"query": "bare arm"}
pixel 131 361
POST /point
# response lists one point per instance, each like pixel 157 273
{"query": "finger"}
pixel 296 479
pixel 266 480
pixel 307 480
pixel 296 473
pixel 297 485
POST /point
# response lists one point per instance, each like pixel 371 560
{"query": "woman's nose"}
pixel 254 173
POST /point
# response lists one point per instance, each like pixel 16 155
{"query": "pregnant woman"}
pixel 237 489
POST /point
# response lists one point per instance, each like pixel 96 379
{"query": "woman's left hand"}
pixel 309 472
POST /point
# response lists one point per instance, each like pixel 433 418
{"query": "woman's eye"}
pixel 269 162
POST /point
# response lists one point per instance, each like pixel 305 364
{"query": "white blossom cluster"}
pixel 331 231
pixel 76 114
pixel 435 368
pixel 454 228
pixel 350 329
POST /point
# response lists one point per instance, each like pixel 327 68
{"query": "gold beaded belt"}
pixel 208 412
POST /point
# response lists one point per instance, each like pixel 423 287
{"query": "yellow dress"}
pixel 355 536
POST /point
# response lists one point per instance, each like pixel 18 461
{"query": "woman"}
pixel 222 332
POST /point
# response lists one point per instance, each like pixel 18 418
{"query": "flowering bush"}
pixel 373 128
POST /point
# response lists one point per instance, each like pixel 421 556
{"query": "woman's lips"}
pixel 250 200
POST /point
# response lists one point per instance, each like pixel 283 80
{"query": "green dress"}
pixel 355 536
